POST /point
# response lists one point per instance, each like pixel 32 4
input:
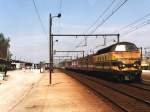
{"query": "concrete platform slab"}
pixel 64 95
pixel 146 75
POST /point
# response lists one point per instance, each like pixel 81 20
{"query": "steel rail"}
pixel 123 107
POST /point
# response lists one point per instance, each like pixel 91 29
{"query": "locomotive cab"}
pixel 125 47
pixel 122 60
pixel 129 60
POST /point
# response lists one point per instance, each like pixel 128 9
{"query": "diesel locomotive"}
pixel 121 61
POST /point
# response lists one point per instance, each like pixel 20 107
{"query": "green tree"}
pixel 4 47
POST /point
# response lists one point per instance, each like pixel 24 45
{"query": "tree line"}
pixel 4 47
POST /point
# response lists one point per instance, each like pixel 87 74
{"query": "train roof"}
pixel 109 48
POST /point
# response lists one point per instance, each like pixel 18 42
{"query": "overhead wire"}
pixel 60 6
pixel 145 23
pixel 133 23
pixel 39 17
pixel 98 18
pixel 107 17
pixel 60 11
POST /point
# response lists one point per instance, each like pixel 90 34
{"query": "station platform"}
pixel 146 75
pixel 64 95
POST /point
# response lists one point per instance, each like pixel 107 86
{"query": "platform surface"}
pixel 146 75
pixel 64 95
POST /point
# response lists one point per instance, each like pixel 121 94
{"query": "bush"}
pixel 2 67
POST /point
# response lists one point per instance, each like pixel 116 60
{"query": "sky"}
pixel 20 23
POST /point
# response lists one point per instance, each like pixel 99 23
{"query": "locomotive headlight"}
pixel 121 66
pixel 136 64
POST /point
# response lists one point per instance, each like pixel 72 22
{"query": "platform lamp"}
pixel 51 46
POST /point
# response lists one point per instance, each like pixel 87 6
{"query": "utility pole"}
pixel 50 48
pixel 52 51
pixel 141 53
pixel 118 38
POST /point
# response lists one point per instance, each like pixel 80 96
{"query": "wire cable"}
pixel 104 20
pixel 107 17
pixel 60 6
pixel 109 6
pixel 39 17
pixel 104 12
pixel 60 11
pixel 133 23
pixel 145 23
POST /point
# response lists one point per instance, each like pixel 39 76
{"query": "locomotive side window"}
pixel 131 47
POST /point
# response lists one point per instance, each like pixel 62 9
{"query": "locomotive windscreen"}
pixel 126 47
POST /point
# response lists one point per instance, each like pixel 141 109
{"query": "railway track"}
pixel 140 86
pixel 145 83
pixel 127 98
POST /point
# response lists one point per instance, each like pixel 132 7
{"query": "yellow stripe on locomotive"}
pixel 121 61
pixel 118 60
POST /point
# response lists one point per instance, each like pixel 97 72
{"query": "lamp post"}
pixel 51 46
